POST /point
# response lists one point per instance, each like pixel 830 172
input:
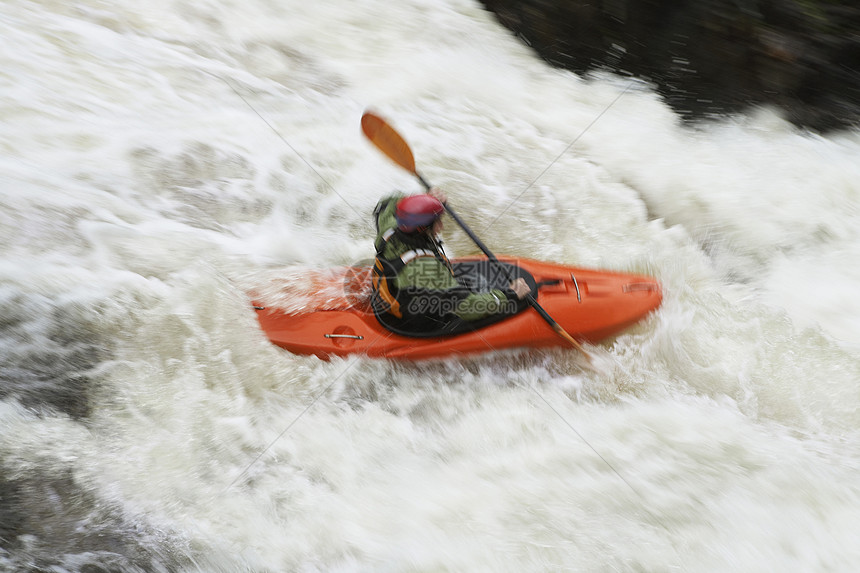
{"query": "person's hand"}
pixel 439 194
pixel 520 288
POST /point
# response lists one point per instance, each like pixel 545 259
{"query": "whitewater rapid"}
pixel 162 160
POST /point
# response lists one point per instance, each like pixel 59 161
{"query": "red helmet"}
pixel 417 211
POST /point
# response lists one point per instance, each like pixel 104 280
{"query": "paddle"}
pixel 386 138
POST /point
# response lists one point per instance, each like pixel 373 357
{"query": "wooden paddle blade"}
pixel 388 141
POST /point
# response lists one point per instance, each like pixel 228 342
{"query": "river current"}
pixel 161 160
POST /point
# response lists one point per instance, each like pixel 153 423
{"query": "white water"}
pixel 141 197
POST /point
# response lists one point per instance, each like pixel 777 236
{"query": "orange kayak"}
pixel 589 304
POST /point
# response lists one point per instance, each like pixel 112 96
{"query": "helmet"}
pixel 417 211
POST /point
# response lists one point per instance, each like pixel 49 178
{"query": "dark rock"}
pixel 709 57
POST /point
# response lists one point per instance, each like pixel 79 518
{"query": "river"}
pixel 160 160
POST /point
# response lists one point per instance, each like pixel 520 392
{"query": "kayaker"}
pixel 414 285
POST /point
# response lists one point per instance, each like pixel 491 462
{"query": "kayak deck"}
pixel 590 305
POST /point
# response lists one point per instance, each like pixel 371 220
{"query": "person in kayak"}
pixel 415 287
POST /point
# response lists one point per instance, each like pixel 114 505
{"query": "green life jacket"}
pixel 414 284
pixel 395 288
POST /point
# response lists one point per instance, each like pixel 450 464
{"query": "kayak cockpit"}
pixel 479 276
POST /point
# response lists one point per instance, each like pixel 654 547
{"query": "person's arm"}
pixel 482 304
pixel 479 305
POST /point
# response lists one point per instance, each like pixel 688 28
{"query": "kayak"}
pixel 591 305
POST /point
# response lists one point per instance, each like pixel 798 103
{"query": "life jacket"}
pixel 387 297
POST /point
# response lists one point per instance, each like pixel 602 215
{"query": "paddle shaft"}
pixel 460 222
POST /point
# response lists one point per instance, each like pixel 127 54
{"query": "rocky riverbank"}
pixel 709 57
